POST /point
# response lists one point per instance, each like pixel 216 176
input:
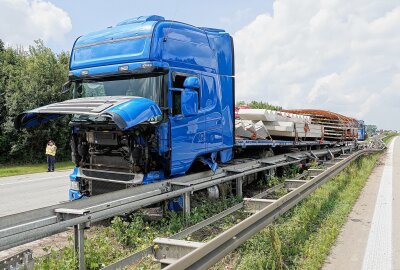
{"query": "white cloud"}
pixel 337 55
pixel 237 16
pixel 22 21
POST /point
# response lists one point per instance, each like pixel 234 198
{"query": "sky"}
pixel 337 55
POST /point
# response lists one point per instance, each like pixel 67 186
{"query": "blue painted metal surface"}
pixel 126 115
pixel 211 161
pixel 123 43
pixel 176 204
pixel 153 176
pixel 133 112
pixel 30 119
pixel 163 138
pixel 141 67
pixel 74 175
pixel 189 102
pixel 362 133
pixel 142 19
pixel 205 53
pixel 192 83
pixel 145 44
pixel 74 195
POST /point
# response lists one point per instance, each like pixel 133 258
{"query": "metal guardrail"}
pixel 137 256
pixel 250 205
pixel 36 224
pixel 207 254
pixel 28 226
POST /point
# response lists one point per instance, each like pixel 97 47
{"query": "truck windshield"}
pixel 147 87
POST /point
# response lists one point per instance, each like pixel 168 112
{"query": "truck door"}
pixel 187 132
pixel 211 107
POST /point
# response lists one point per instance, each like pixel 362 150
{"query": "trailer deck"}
pixel 243 143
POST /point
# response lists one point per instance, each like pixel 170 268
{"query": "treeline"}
pixel 259 105
pixel 29 79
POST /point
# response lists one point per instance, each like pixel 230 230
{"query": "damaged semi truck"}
pixel 151 97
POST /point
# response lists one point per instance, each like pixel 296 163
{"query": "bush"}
pixel 29 79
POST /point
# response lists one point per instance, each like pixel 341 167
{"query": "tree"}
pixel 30 79
pixel 259 105
pixel 264 105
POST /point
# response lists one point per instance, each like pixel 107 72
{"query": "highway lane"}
pixel 26 192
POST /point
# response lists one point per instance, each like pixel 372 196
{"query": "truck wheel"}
pixel 213 192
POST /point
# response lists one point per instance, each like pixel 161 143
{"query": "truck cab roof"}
pixel 154 39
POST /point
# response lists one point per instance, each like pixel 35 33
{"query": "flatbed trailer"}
pixel 243 143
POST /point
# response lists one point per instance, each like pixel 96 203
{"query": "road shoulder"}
pixel 348 251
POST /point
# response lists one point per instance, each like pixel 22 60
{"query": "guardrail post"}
pixel 186 205
pixel 239 187
pixel 22 260
pixel 79 245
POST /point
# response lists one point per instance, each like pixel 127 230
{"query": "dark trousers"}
pixel 50 162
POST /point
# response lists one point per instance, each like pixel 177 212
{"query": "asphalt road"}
pixel 26 192
pixel 370 238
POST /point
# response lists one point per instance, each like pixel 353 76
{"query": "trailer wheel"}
pixel 266 153
pixel 213 192
pixel 225 189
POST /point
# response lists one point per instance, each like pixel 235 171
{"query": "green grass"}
pixel 10 170
pixel 303 237
pixel 389 137
pixel 105 245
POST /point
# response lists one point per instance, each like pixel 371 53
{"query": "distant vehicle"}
pixel 362 131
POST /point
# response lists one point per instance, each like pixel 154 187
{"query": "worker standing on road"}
pixel 51 149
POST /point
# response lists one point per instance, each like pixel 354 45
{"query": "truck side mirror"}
pixel 66 87
pixel 189 102
pixel 192 83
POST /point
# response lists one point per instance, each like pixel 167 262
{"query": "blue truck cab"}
pixel 362 132
pixel 151 98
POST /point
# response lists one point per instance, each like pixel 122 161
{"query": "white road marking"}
pixel 378 253
pixel 33 180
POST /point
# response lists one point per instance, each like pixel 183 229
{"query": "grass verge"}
pixel 303 237
pixel 105 245
pixel 11 170
pixel 389 137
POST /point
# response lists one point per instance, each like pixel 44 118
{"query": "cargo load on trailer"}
pixel 267 124
pixel 335 126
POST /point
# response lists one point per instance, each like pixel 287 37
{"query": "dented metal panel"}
pixel 125 111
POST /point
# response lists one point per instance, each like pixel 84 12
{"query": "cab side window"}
pixel 177 82
pixel 176 102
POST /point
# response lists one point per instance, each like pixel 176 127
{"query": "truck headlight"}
pixel 74 185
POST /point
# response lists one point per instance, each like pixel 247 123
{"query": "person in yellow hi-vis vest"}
pixel 51 150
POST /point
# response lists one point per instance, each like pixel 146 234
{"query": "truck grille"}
pixel 101 187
